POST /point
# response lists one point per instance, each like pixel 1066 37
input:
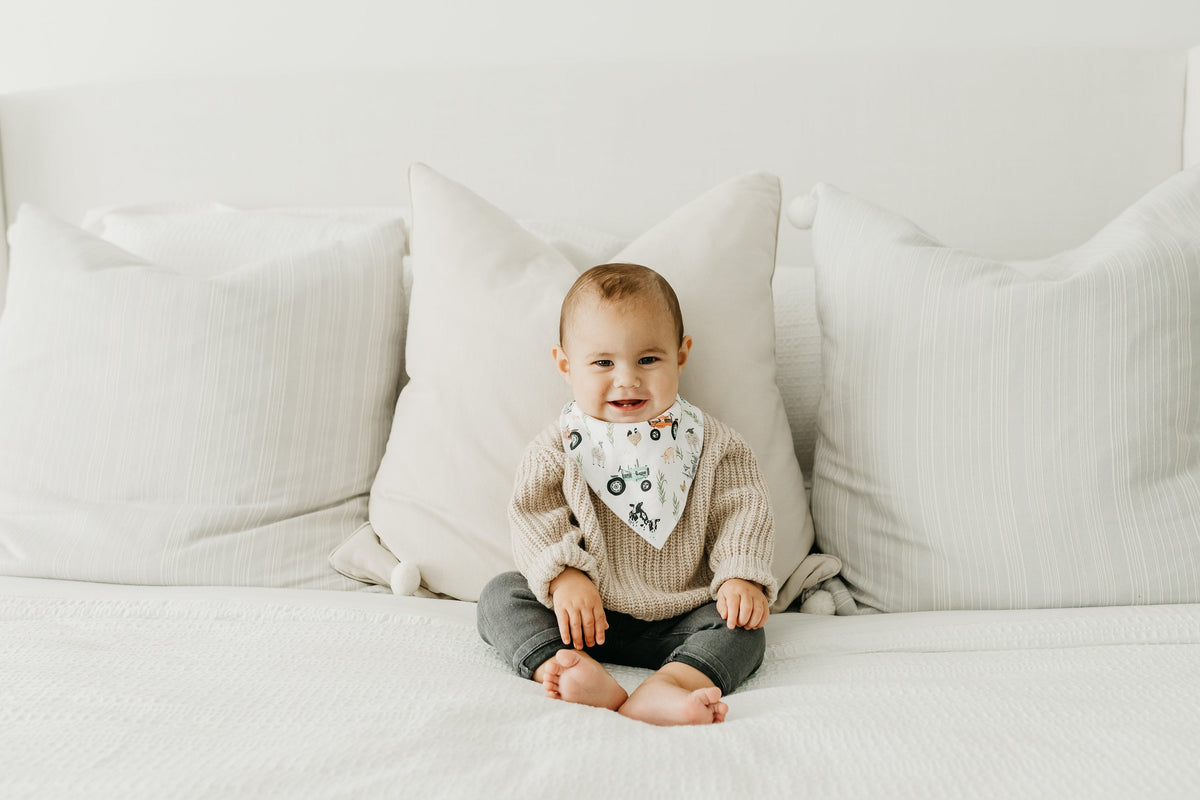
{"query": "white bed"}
pixel 264 689
pixel 137 691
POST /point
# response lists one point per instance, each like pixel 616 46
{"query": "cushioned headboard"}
pixel 1013 152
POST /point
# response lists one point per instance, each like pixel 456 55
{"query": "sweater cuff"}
pixel 748 569
pixel 552 560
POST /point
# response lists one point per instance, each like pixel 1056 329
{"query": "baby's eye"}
pixel 648 359
pixel 602 362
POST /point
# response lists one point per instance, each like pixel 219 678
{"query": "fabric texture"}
pixel 798 357
pixel 484 315
pixel 137 692
pixel 162 428
pixel 726 530
pixel 209 239
pixel 997 435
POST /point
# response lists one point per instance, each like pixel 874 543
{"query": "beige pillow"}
pixel 483 317
pixel 996 435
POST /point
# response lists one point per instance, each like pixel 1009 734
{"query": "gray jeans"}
pixel 526 633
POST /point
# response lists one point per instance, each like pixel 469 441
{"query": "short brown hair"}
pixel 618 282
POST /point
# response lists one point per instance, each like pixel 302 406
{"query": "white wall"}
pixel 56 42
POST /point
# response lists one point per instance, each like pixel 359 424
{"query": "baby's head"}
pixel 621 344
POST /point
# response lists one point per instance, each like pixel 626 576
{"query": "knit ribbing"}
pixel 726 530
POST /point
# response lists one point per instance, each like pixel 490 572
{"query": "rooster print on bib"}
pixel 643 470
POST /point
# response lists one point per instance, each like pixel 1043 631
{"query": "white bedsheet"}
pixel 109 691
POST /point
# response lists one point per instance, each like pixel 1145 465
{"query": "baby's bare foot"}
pixel 578 678
pixel 661 702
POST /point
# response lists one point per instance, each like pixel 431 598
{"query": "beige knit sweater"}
pixel 726 530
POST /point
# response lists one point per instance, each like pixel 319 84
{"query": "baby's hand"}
pixel 578 608
pixel 742 604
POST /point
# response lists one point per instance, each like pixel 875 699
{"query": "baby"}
pixel 640 525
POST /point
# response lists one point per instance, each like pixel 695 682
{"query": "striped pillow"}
pixel 159 428
pixel 995 435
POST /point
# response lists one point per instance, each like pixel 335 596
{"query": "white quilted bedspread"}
pixel 162 693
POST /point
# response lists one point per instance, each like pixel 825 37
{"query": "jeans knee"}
pixel 728 656
pixel 756 645
pixel 513 621
pixel 502 586
pixel 496 597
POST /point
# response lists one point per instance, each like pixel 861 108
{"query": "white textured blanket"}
pixel 264 693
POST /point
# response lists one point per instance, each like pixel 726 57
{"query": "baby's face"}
pixel 622 359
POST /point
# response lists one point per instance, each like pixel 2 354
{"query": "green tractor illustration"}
pixel 616 484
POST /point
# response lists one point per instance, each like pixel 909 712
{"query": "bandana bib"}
pixel 642 470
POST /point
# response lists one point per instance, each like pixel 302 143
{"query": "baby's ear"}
pixel 560 362
pixel 685 350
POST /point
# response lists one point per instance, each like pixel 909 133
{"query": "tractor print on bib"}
pixel 616 484
pixel 665 422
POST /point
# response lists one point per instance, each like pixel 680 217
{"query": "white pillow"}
pixel 1000 435
pixel 206 239
pixel 798 357
pixel 483 319
pixel 582 246
pixel 212 238
pixel 165 429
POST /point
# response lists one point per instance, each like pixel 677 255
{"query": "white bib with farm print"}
pixel 642 470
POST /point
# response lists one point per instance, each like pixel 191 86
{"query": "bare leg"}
pixel 578 678
pixel 677 694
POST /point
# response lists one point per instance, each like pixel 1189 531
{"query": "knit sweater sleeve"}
pixel 545 537
pixel 740 521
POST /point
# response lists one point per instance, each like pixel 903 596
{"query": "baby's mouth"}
pixel 627 405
